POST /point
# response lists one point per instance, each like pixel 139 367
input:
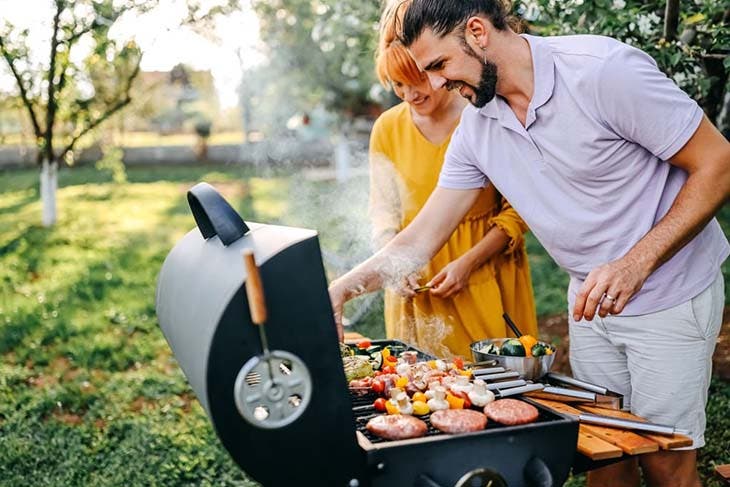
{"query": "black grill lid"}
pixel 203 311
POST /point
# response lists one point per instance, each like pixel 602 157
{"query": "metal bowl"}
pixel 529 368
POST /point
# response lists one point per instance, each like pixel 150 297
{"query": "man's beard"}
pixel 487 88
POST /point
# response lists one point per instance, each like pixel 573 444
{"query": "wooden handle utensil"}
pixel 254 289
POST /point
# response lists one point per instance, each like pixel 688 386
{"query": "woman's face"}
pixel 422 97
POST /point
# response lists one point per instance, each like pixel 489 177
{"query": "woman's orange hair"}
pixel 393 62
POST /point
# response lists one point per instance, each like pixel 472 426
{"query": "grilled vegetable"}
pixel 391 406
pixel 346 351
pixel 539 349
pixel 419 396
pixel 513 348
pixel 357 367
pixel 420 408
pixel 376 359
pixel 379 404
pixel 459 363
pixel 491 349
pixel 454 401
pixel 527 342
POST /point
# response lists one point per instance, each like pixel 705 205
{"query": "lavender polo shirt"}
pixel 588 172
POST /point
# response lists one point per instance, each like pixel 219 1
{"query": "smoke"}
pixel 431 330
pixel 354 223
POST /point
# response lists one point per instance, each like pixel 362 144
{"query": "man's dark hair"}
pixel 443 16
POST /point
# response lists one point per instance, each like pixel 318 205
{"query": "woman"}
pixel 482 270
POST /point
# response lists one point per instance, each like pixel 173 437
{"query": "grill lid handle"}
pixel 214 216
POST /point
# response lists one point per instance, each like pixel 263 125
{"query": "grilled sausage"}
pixel 396 427
pixel 458 420
pixel 511 412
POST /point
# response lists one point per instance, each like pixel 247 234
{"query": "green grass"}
pixel 89 391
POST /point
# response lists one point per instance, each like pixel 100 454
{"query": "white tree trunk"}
pixel 49 184
pixel 342 158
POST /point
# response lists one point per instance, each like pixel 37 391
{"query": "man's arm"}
pixel 706 158
pixel 408 251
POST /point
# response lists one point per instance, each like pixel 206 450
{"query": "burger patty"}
pixel 511 412
pixel 458 420
pixel 396 427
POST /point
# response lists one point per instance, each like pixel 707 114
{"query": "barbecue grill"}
pixel 312 430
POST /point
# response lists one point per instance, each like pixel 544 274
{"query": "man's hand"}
pixel 338 296
pixel 608 288
pixel 407 286
pixel 451 279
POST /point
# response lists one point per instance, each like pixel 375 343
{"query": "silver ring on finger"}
pixel 608 296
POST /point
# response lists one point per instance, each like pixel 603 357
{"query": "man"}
pixel 618 174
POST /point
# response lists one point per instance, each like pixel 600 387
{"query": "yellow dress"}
pixel 404 170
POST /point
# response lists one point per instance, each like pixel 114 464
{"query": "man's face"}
pixel 452 62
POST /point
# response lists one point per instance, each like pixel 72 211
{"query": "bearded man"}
pixel 617 172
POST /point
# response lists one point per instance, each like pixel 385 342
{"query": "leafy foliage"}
pixel 697 59
pixel 319 52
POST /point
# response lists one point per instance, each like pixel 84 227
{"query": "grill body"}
pixel 203 312
pixel 520 454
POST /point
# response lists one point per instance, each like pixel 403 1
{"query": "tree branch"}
pixel 52 103
pixel 671 20
pixel 77 35
pixel 126 99
pixel 23 91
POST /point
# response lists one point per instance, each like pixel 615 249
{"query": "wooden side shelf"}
pixel 723 473
pixel 614 442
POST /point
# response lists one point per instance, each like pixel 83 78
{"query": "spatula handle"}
pixel 254 289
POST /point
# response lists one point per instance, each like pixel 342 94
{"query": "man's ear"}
pixel 477 28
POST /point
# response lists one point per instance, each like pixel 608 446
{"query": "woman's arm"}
pixel 505 235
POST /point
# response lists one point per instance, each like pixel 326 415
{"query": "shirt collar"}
pixel 543 70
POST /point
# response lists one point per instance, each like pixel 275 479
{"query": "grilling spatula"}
pixel 274 388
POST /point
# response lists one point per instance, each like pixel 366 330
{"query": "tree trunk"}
pixel 671 19
pixel 342 158
pixel 49 184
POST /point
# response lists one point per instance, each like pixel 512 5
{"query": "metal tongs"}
pixel 611 422
pixel 578 391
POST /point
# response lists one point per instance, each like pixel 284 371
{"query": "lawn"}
pixel 89 392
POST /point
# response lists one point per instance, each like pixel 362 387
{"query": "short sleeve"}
pixel 641 104
pixel 460 169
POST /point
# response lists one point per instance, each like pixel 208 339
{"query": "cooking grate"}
pixel 363 413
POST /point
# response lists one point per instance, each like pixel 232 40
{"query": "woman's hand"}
pixel 452 278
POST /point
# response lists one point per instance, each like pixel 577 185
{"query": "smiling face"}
pixel 422 97
pixel 451 62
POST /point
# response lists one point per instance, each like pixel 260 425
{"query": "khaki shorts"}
pixel 661 362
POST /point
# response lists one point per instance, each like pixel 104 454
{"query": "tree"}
pixel 66 99
pixel 689 40
pixel 320 52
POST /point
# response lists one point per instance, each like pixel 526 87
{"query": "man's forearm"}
pixel 387 267
pixel 694 207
